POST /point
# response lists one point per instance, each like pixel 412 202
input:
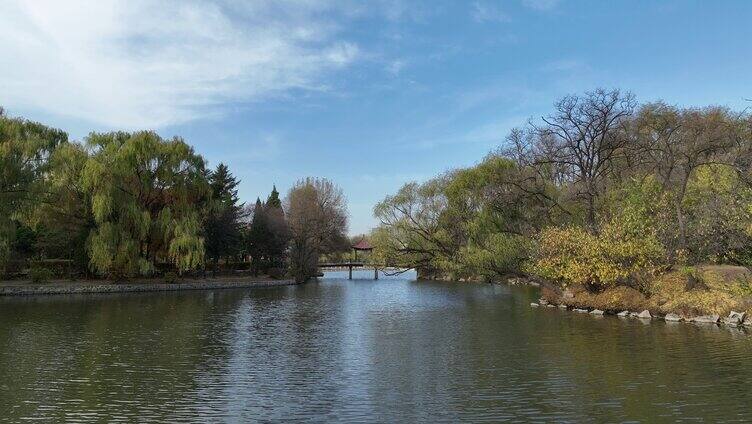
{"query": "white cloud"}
pixel 542 5
pixel 395 67
pixel 141 63
pixel 486 12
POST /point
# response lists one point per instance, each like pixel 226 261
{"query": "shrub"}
pixel 575 256
pixel 497 255
pixel 171 277
pixel 276 273
pixel 695 279
pixel 40 275
pixel 566 255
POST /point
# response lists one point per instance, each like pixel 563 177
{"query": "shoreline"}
pixel 734 319
pixel 45 289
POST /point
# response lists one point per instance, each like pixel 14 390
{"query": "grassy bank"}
pixel 26 288
pixel 687 292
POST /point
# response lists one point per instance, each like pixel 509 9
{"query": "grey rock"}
pixel 732 320
pixel 550 306
pixel 706 319
pixel 582 311
pixel 543 301
pixel 596 312
pixel 562 306
pixel 671 317
pixel 623 314
pixel 534 305
pixel 644 315
pixel 740 315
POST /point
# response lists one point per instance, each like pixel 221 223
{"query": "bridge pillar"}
pixel 350 268
pixel 375 273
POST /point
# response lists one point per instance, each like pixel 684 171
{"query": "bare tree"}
pixel 583 140
pixel 317 215
pixel 674 143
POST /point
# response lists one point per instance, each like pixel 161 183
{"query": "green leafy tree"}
pixel 25 148
pixel 65 219
pixel 148 195
pixel 411 232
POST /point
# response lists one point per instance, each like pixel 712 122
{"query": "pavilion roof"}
pixel 362 245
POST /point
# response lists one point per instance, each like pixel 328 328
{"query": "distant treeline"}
pixel 601 192
pixel 125 204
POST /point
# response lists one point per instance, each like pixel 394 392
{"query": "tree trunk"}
pixel 682 242
pixel 591 214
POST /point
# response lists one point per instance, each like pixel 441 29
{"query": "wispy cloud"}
pixel 541 5
pixel 142 63
pixel 264 148
pixel 488 12
pixel 395 67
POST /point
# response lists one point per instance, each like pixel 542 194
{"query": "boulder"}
pixel 747 321
pixel 550 305
pixel 671 317
pixel 706 319
pixel 543 301
pixel 740 315
pixel 732 319
pixel 644 315
pixel 534 305
pixel 623 314
pixel 582 311
pixel 562 306
pixel 596 312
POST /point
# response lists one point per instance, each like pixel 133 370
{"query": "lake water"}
pixel 392 350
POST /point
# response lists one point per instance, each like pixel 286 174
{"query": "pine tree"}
pixel 279 233
pixel 273 200
pixel 268 235
pixel 258 235
pixel 223 226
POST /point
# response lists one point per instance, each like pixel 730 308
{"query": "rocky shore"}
pixel 735 319
pixel 30 289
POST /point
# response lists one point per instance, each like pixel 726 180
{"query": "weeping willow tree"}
pixel 148 195
pixel 63 219
pixel 25 147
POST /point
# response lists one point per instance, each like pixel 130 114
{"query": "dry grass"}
pixel 728 288
pixel 614 299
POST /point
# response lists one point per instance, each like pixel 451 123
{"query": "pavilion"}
pixel 363 246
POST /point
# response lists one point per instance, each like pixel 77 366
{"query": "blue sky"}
pixel 369 94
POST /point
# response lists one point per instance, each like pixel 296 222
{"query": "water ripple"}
pixel 358 351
